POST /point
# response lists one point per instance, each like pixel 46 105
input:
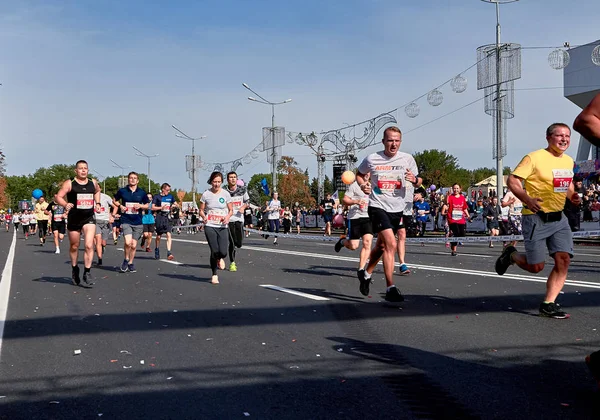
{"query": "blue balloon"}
pixel 37 193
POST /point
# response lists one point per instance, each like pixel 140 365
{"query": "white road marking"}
pixel 119 249
pixel 465 255
pixel 293 292
pixel 171 262
pixel 5 281
pixel 520 277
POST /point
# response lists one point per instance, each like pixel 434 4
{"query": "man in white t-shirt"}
pixel 103 217
pixel 359 226
pixel 390 171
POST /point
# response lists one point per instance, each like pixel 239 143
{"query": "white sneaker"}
pixel 214 279
pixel 221 265
pixel 57 251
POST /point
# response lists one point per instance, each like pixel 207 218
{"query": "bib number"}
pixel 216 216
pixel 562 179
pixel 457 214
pixel 130 208
pixel 85 201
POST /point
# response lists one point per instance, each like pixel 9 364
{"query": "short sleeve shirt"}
pixel 275 206
pixel 547 177
pixel 456 209
pixel 164 202
pixel 128 198
pixel 103 213
pixel 356 211
pixel 215 207
pixel 239 197
pixel 388 186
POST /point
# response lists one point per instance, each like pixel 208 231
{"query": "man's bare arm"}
pixel 587 122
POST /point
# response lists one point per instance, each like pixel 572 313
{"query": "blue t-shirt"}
pixel 163 201
pixel 128 198
pixel 419 207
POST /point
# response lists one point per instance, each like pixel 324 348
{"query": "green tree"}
pixel 462 177
pixel 255 190
pixel 327 186
pixel 4 199
pixel 436 167
pixel 293 186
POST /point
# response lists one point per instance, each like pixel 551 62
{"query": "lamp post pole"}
pixel 273 149
pixel 140 153
pixel 182 135
pixel 116 165
pixel 103 181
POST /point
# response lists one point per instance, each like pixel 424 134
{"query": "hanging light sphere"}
pixel 312 139
pixel 435 97
pixel 459 84
pixel 300 140
pixel 559 59
pixel 412 110
pixel 254 154
pixel 247 159
pixel 596 55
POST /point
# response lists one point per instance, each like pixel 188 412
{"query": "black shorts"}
pixel 61 227
pixel 75 224
pixel 247 220
pixel 382 220
pixel 163 224
pixel 327 218
pixel 360 227
pixel 148 228
pixel 458 230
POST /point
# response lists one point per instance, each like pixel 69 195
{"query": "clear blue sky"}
pixel 90 79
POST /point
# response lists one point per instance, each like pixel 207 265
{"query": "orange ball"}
pixel 348 177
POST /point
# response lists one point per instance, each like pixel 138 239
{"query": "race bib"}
pixel 58 217
pixel 130 208
pixel 85 201
pixel 100 210
pixel 237 202
pixel 562 180
pixel 216 216
pixel 457 214
pixel 389 182
pixel 421 212
pixel 165 206
pixel 364 204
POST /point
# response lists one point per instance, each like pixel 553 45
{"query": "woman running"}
pixel 216 209
pixel 458 213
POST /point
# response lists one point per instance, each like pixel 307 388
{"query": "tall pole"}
pixel 499 120
pixel 182 135
pixel 273 148
pixel 142 154
pixel 116 165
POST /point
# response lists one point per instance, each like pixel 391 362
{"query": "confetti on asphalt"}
pixel 208 339
pixel 114 360
pixel 264 344
pixel 293 340
pixel 126 367
pixel 294 367
pixel 246 414
pixel 142 362
pixel 54 402
pixel 125 351
pixel 318 355
pixel 564 404
pixel 340 349
pixel 75 352
pixel 174 310
pixel 169 378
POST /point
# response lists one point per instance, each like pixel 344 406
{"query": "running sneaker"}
pixel 57 251
pixel 447 244
pixel 365 283
pixel 593 363
pixel 147 249
pixel 232 266
pixel 404 270
pixel 552 310
pixel 394 295
pixel 87 281
pixel 75 276
pixel 221 264
pixel 156 254
pixel 142 242
pixel 170 256
pixel 214 279
pixel 504 261
pixel 453 253
pixel 99 261
pixel 115 242
pixel 131 268
pixel 125 266
pixel 338 245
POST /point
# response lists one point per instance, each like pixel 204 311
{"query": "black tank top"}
pixel 82 198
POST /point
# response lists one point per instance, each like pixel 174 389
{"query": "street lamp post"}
pixel 182 135
pixel 103 180
pixel 273 149
pixel 140 153
pixel 123 168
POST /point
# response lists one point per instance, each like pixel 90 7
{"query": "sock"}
pixel 367 275
pixel 86 270
pixel 393 286
pixel 546 302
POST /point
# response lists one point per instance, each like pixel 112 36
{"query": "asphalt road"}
pixel 163 343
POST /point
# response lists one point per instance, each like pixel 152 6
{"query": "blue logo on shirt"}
pixel 221 200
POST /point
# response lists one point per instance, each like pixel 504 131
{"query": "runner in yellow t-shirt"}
pixel 42 219
pixel 542 181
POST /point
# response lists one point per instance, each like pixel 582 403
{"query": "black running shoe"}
pixel 99 262
pixel 364 283
pixel 75 276
pixel 338 245
pixel 504 261
pixel 87 280
pixel 593 363
pixel 394 295
pixel 552 310
pixel 131 268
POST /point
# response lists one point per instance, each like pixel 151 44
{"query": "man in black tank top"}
pixel 79 197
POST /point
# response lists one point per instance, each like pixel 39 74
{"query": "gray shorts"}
pixel 556 236
pixel 103 228
pixel 135 231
